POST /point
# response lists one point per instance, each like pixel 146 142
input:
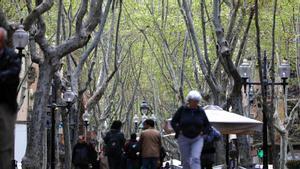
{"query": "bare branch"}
pixel 232 20
pixel 37 12
pixel 190 25
pixel 98 94
pixel 292 116
pixel 202 4
pixel 95 42
pixel 3 21
pixel 94 17
pixel 80 16
pixel 224 48
pixel 244 39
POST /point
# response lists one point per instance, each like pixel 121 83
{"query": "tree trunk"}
pixel 283 149
pixel 34 153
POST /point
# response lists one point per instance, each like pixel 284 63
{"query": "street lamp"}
pixel 136 122
pixel 144 108
pixel 69 96
pixel 144 118
pixel 86 119
pixel 153 117
pixel 284 71
pixel 245 73
pixel 20 39
pixel 245 69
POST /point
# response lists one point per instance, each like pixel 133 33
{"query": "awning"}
pixel 231 123
pixel 227 122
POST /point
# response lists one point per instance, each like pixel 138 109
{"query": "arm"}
pixel 106 138
pixel 206 125
pixel 123 140
pixel 12 73
pixel 141 142
pixel 126 147
pixel 176 120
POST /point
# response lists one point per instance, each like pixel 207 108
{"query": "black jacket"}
pixel 190 122
pixel 10 67
pixel 83 154
pixel 114 135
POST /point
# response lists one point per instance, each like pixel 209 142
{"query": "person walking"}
pixel 83 154
pixel 150 142
pixel 132 150
pixel 191 124
pixel 114 144
pixel 10 67
pixel 209 150
pixel 93 144
pixel 233 152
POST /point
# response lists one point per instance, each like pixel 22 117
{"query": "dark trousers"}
pixel 207 160
pixel 149 163
pixel 133 164
pixel 115 162
pixel 207 166
pixel 82 167
pixel 7 126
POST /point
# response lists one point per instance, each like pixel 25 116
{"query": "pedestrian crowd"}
pixel 117 153
pixel 195 136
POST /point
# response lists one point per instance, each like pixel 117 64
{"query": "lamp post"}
pixel 136 123
pixel 86 120
pixel 20 41
pixel 68 99
pixel 153 117
pixel 144 118
pixel 144 108
pixel 245 73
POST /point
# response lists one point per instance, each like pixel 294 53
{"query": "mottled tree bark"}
pixel 37 120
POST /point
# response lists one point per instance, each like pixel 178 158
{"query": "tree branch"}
pixel 94 17
pixel 244 39
pixel 86 53
pixel 232 20
pixel 190 25
pixel 3 22
pixel 224 50
pixel 292 116
pixel 37 12
pixel 80 16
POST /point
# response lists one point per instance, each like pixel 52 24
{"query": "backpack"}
pixel 81 155
pixel 213 135
pixel 133 149
pixel 113 145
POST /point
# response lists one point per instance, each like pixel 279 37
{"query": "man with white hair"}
pixel 191 124
pixel 10 66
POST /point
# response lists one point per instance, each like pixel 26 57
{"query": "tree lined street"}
pixel 85 64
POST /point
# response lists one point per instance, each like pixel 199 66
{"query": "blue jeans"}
pixel 149 163
pixel 190 150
